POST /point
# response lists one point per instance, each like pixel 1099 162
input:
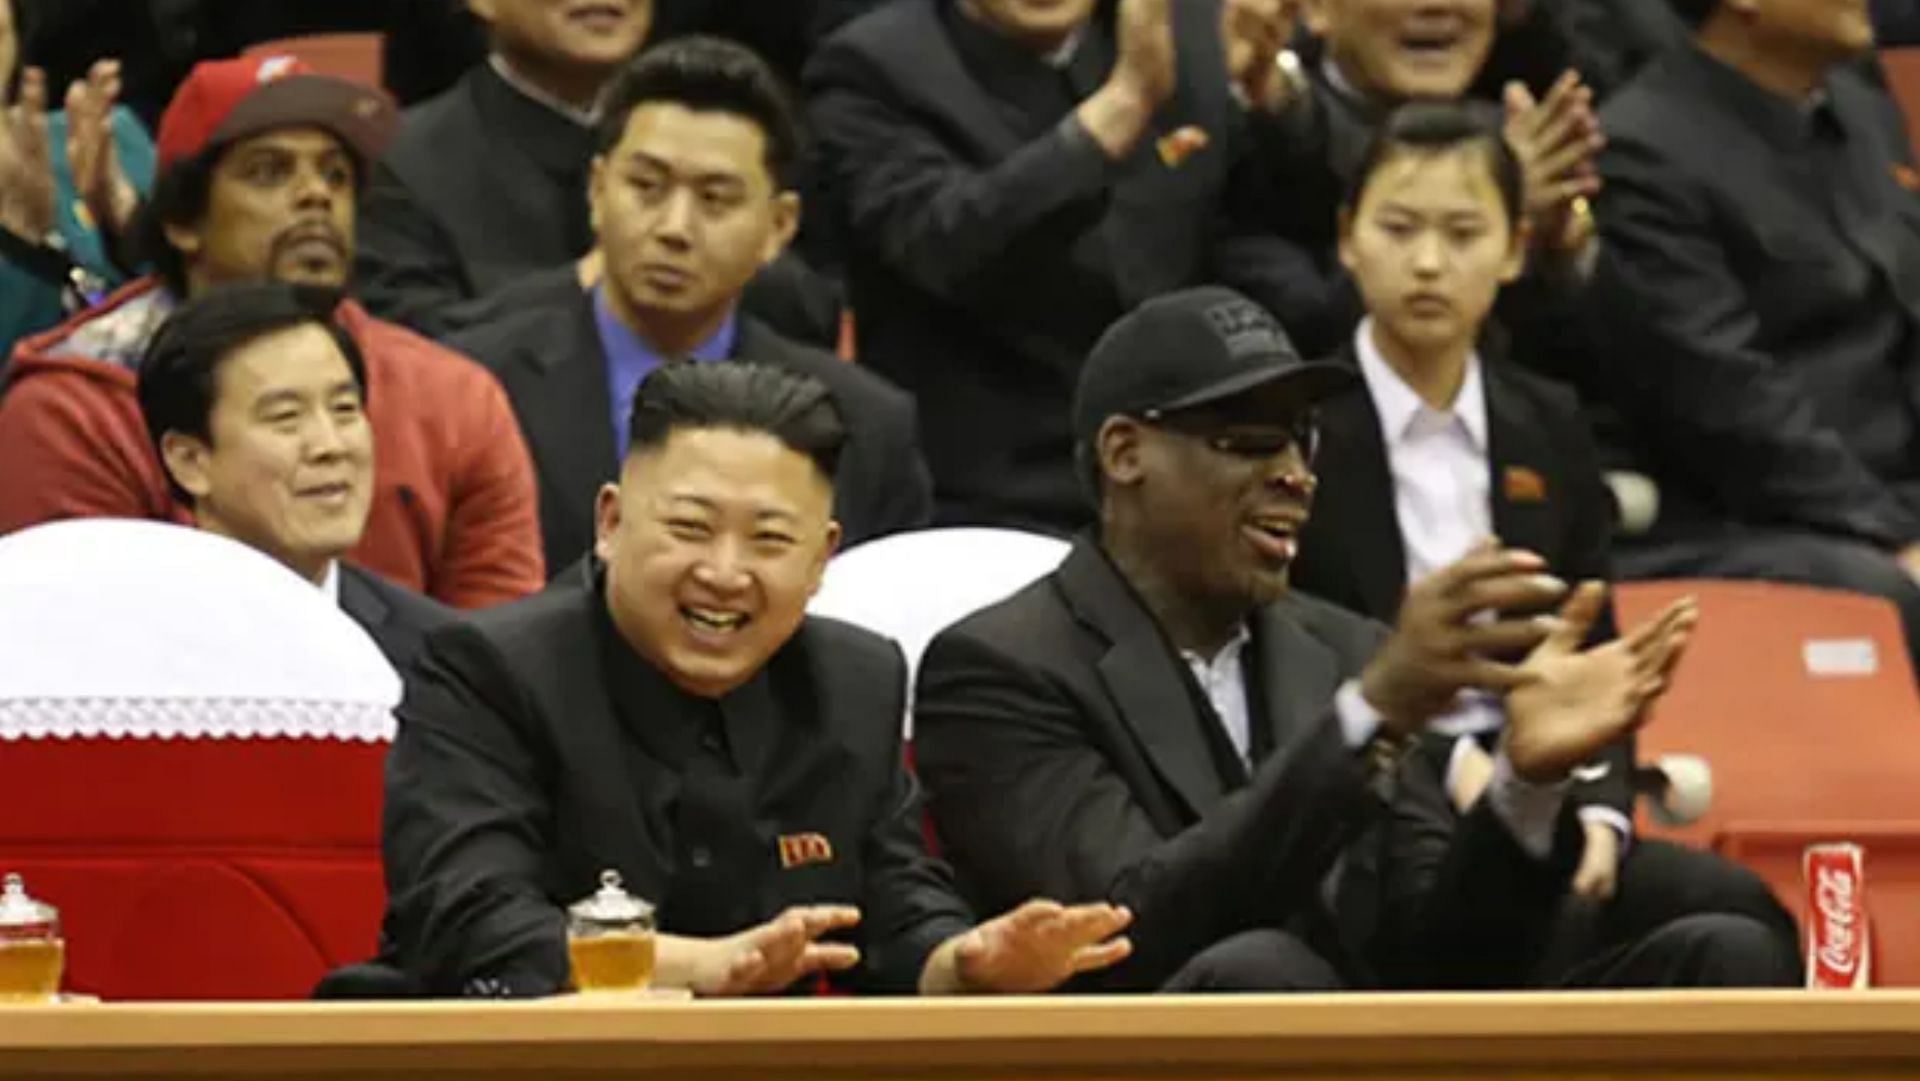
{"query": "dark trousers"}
pixel 1254 961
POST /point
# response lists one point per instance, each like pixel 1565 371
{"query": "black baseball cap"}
pixel 1198 347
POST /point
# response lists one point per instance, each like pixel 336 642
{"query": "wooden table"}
pixel 1648 1037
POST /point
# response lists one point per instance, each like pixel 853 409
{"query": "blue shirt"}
pixel 630 359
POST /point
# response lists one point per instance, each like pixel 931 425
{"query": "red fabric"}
pixel 454 513
pixel 199 869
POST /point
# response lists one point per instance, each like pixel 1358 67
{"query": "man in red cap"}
pixel 260 165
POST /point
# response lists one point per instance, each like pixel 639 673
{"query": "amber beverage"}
pixel 30 969
pixel 619 961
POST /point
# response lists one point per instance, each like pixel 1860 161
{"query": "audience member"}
pixel 1162 724
pixel 1757 293
pixel 70 182
pixel 1440 447
pixel 1010 177
pixel 487 183
pixel 669 712
pixel 256 403
pixel 688 202
pixel 259 161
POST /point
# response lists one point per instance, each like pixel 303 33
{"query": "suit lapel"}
pixel 1520 488
pixel 1293 675
pixel 568 413
pixel 1142 676
pixel 359 600
pixel 1355 501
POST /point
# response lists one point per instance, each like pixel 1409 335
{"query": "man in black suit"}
pixel 670 713
pixel 1758 293
pixel 1162 724
pixel 1439 447
pixel 1009 178
pixel 688 201
pixel 254 399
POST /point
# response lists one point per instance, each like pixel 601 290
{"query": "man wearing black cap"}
pixel 1159 723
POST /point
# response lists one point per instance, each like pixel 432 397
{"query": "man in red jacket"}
pixel 260 166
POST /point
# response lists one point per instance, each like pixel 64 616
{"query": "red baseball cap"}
pixel 225 100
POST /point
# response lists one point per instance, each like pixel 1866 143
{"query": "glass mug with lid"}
pixel 32 953
pixel 610 939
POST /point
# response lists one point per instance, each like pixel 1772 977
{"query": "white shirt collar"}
pixel 1399 407
pixel 1229 652
pixel 1059 58
pixel 330 583
pixel 586 118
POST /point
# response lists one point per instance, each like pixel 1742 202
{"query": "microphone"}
pixel 1678 788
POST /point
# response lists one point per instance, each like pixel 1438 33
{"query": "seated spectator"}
pixel 1408 484
pixel 70 182
pixel 1758 292
pixel 1163 724
pixel 259 161
pixel 1009 178
pixel 669 712
pixel 487 182
pixel 255 401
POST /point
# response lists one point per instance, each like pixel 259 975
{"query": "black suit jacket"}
pixel 397 618
pixel 1546 492
pixel 1064 745
pixel 988 239
pixel 1758 291
pixel 545 348
pixel 536 750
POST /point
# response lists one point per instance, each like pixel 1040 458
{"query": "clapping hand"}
pixel 26 172
pixel 1039 946
pixel 1556 139
pixel 97 174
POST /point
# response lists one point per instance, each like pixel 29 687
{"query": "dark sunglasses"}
pixel 1297 431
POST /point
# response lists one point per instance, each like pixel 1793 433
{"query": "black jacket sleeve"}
pixel 407 268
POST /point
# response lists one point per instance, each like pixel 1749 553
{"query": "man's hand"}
pixel 26 170
pixel 1143 78
pixel 1556 140
pixel 764 959
pixel 1439 646
pixel 1254 32
pixel 91 154
pixel 1599 872
pixel 1575 702
pixel 1033 948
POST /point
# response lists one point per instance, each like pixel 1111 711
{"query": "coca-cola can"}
pixel 1839 941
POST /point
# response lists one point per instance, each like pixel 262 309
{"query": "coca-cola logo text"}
pixel 1834 892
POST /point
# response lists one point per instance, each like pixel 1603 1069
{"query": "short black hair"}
pixel 1694 12
pixel 181 366
pixel 1430 127
pixel 796 409
pixel 708 75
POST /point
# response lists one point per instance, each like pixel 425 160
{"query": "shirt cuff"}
pixel 1528 810
pixel 1608 816
pixel 1359 721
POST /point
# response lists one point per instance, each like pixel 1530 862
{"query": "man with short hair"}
pixel 1759 294
pixel 260 163
pixel 256 404
pixel 689 200
pixel 1161 723
pixel 669 712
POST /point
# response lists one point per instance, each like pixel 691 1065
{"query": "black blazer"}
pixel 1063 743
pixel 988 244
pixel 397 618
pixel 529 759
pixel 1547 496
pixel 1758 291
pixel 546 351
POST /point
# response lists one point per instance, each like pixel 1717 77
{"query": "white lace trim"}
pixel 194 718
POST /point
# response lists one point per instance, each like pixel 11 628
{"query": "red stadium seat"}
pixel 1804 702
pixel 1903 78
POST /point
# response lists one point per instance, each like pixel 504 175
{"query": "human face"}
pixel 1223 494
pixel 1041 25
pixel 586 36
pixel 280 206
pixel 1822 31
pixel 686 214
pixel 1430 245
pixel 713 542
pixel 1401 50
pixel 287 465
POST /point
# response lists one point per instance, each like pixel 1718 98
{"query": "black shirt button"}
pixel 702 857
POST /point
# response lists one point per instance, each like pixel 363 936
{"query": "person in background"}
pixel 1440 446
pixel 260 162
pixel 689 200
pixel 71 180
pixel 256 404
pixel 669 712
